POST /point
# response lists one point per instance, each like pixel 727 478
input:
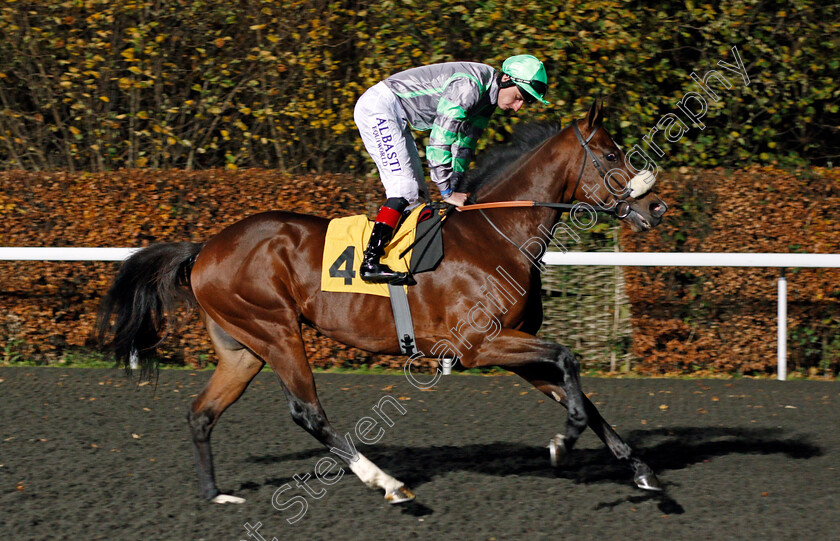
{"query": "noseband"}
pixel 622 207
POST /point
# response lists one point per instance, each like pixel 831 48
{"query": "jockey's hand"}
pixel 456 198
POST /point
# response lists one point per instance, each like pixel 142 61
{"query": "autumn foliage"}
pixel 99 84
pixel 154 90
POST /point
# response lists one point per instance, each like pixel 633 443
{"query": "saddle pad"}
pixel 344 247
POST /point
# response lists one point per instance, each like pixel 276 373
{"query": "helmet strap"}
pixel 505 84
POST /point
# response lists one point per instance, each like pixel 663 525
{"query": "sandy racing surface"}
pixel 86 454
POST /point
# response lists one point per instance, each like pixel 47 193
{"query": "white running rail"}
pixel 65 254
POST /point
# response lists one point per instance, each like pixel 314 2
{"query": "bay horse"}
pixel 258 280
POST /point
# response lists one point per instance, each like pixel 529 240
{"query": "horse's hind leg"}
pixel 284 351
pixel 236 368
pixel 549 383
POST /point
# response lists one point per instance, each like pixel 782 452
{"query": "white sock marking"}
pixel 372 476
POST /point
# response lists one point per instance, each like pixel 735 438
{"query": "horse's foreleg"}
pixel 237 367
pixel 642 473
pixel 543 380
pixel 515 350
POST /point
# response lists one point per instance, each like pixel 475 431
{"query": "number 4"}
pixel 346 258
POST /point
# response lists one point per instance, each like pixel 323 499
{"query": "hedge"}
pixel 100 84
pixel 49 308
pixel 706 319
pixel 685 320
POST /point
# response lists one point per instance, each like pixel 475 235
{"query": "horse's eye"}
pixel 611 157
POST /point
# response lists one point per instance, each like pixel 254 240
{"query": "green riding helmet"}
pixel 529 75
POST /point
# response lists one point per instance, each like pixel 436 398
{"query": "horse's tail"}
pixel 150 286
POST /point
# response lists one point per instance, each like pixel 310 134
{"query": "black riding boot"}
pixel 372 270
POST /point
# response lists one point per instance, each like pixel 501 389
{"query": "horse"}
pixel 256 282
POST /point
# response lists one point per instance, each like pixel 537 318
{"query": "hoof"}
pixel 648 481
pixel 557 449
pixel 227 498
pixel 399 495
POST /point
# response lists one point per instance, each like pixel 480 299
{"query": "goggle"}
pixel 539 87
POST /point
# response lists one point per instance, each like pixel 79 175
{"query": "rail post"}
pixel 781 361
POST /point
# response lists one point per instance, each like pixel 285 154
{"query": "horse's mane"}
pixel 493 162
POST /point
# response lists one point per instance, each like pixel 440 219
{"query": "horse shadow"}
pixel 664 449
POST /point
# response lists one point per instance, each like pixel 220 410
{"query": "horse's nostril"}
pixel 658 209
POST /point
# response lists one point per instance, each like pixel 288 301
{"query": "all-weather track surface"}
pixel 87 454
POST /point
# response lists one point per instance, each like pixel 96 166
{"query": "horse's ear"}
pixel 596 114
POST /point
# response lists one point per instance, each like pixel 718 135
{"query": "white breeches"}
pixel 388 140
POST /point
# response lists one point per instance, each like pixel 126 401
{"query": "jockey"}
pixel 455 101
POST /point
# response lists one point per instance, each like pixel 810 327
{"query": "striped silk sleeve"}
pixel 455 132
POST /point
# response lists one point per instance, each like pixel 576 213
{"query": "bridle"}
pixel 621 209
pixel 621 202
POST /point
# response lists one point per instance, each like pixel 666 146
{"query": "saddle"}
pixel 417 247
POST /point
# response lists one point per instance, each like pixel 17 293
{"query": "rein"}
pixel 519 204
pixel 621 209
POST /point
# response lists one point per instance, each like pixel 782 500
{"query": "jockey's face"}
pixel 510 98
